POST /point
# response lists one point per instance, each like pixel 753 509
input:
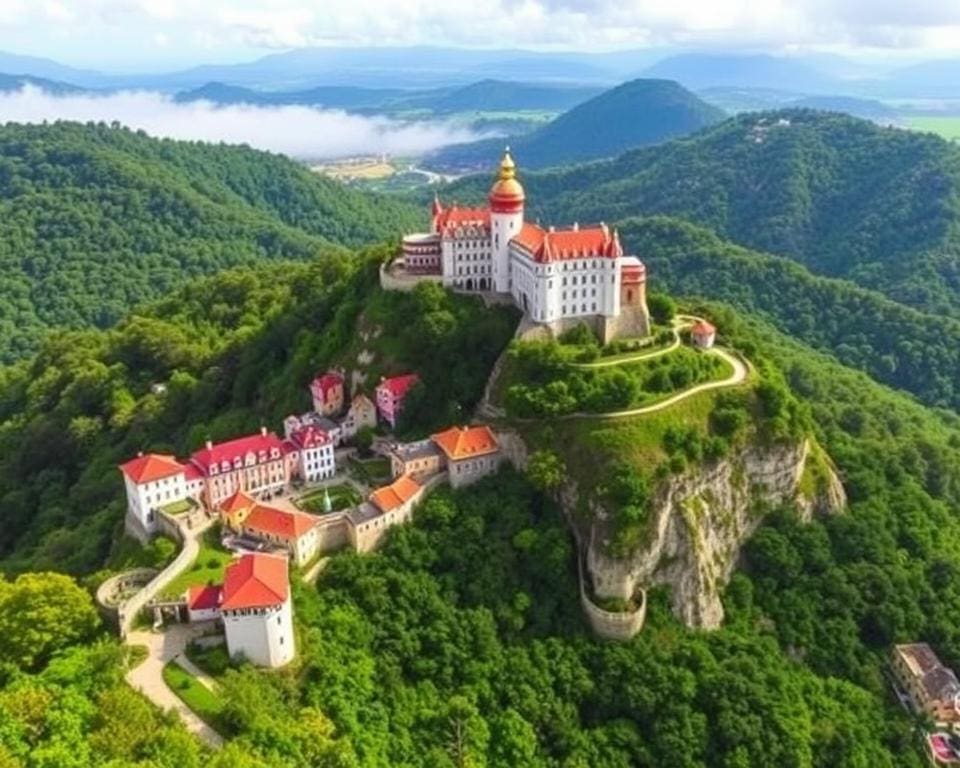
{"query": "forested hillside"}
pixel 467 621
pixel 236 351
pixel 847 198
pixel 896 344
pixel 95 219
pixel 634 114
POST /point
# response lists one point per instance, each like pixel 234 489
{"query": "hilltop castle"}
pixel 558 277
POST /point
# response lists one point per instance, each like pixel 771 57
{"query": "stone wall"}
pixel 614 625
pixel 396 280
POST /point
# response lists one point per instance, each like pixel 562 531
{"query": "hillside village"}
pixel 337 477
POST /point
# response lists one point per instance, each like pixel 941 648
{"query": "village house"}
pixel 466 453
pixel 703 335
pixel 471 453
pixel 256 610
pixel 297 532
pixel 391 394
pixel 256 464
pixel 388 506
pixel 327 393
pixel 933 687
pixel 254 605
pixel 362 413
pixel 311 453
pixel 295 423
pixel 418 459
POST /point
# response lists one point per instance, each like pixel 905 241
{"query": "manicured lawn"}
pixel 204 702
pixel 179 507
pixel 341 497
pixel 207 568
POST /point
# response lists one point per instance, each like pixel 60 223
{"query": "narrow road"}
pixel 679 323
pixel 147 678
pixel 738 376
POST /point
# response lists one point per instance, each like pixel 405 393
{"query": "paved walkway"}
pixel 315 570
pixel 147 678
pixel 739 375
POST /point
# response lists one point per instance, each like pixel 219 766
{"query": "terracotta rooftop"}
pixel 564 244
pixel 203 597
pixel 279 522
pixel 255 581
pixel 464 442
pixel 150 467
pixel 258 444
pixel 327 381
pixel 394 495
pixel 398 386
pixel 237 501
pixel 703 328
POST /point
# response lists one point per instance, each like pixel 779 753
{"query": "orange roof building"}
pixel 460 443
pixel 150 467
pixel 395 495
pixel 255 581
pixel 256 610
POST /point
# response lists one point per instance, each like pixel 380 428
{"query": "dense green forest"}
pixel 95 219
pixel 634 114
pixel 895 344
pixel 236 350
pixel 845 197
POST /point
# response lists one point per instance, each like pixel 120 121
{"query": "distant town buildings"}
pixel 933 688
pixel 558 277
pixel 327 393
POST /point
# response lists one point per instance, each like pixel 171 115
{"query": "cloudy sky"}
pixel 153 34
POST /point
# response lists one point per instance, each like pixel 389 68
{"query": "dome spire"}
pixel 508 168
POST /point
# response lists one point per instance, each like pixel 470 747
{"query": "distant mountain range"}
pixel 424 67
pixel 631 115
pixel 485 95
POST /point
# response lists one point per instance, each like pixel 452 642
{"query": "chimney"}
pixel 576 226
pixel 263 431
pixel 209 445
pixel 139 454
pixel 552 228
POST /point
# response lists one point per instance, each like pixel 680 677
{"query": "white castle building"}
pixel 558 277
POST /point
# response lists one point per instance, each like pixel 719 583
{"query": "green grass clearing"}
pixel 180 507
pixel 204 702
pixel 206 569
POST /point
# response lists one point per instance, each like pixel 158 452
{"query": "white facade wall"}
pixel 468 471
pixel 317 463
pixel 503 228
pixel 203 614
pixel 144 499
pixel 264 636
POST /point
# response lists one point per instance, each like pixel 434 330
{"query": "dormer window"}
pixel 237 463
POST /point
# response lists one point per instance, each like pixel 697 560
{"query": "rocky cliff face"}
pixel 700 520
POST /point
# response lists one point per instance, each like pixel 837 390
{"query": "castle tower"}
pixel 506 219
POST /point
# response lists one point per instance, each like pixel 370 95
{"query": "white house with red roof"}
pixel 256 464
pixel 703 334
pixel 311 449
pixel 471 453
pixel 362 413
pixel 256 610
pixel 558 277
pixel 327 393
pixel 391 393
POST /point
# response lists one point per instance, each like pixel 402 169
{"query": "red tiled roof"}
pixel 237 501
pixel 562 244
pixel 327 381
pixel 191 471
pixel 309 437
pixel 203 597
pixel 464 442
pixel 238 448
pixel 279 522
pixel 398 386
pixel 398 492
pixel 150 467
pixel 255 581
pixel 702 328
pixel 453 217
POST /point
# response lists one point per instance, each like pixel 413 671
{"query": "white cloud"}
pixel 301 132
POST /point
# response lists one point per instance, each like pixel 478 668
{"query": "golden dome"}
pixel 506 189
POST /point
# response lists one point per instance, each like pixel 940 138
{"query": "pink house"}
pixel 327 393
pixel 390 396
